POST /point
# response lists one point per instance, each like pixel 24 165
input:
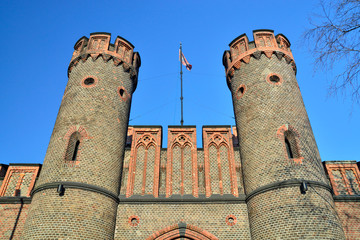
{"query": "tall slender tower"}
pixel 288 195
pixel 76 196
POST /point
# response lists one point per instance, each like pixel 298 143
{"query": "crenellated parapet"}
pixel 265 42
pixel 98 45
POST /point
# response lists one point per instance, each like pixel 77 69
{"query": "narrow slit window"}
pixel 288 148
pixel 76 150
pixel 122 91
pixel 72 150
pixel 291 145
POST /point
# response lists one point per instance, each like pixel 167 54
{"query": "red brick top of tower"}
pixel 98 45
pixel 265 42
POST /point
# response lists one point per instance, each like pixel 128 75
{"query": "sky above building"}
pixel 37 44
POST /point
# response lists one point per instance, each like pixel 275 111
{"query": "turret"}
pixel 76 195
pixel 288 194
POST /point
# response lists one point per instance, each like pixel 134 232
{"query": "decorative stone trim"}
pixel 183 199
pixel 134 220
pixel 15 200
pixel 286 184
pixel 230 220
pixel 86 85
pixel 76 185
pixel 274 79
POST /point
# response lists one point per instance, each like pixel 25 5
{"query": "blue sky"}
pixel 37 43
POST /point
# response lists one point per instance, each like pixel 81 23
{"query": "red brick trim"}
pixel 182 137
pixel 280 134
pixel 214 136
pixel 134 220
pixel 265 42
pixel 22 170
pixel 125 95
pixel 98 46
pixel 84 136
pixel 268 79
pixel 230 220
pixel 89 86
pixel 173 232
pixel 342 168
pixel 240 91
pixel 146 137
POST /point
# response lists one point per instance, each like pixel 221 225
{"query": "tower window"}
pixel 274 79
pixel 240 91
pixel 288 148
pixel 291 145
pixel 89 81
pixel 121 92
pixel 76 150
pixel 73 147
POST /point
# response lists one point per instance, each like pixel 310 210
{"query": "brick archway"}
pixel 182 231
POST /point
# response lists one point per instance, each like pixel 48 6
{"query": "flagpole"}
pixel 181 80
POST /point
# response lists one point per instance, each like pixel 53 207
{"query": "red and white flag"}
pixel 184 61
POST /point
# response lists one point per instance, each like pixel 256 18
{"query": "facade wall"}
pixel 349 213
pixel 78 214
pixel 12 219
pixel 154 219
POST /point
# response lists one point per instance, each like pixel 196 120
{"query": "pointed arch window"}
pixel 72 151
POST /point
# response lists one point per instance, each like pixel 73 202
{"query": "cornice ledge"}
pixel 76 185
pixel 286 184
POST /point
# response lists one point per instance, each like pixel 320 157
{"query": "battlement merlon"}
pixel 241 50
pixel 98 45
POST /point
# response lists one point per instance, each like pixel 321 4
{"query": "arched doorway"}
pixel 182 231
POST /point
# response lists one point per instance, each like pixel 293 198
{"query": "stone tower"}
pixel 76 196
pixel 288 195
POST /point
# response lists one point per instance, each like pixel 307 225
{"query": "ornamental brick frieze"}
pixel 144 163
pixel 219 162
pixel 19 180
pixel 344 177
pixel 182 158
pixel 99 46
pixel 241 50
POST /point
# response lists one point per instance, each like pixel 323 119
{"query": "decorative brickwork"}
pixel 181 167
pixel 220 174
pixel 344 177
pixel 208 220
pixel 144 166
pixel 19 181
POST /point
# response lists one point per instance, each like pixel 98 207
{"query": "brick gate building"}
pixel 103 179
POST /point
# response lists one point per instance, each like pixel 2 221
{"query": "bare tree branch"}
pixel 334 40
